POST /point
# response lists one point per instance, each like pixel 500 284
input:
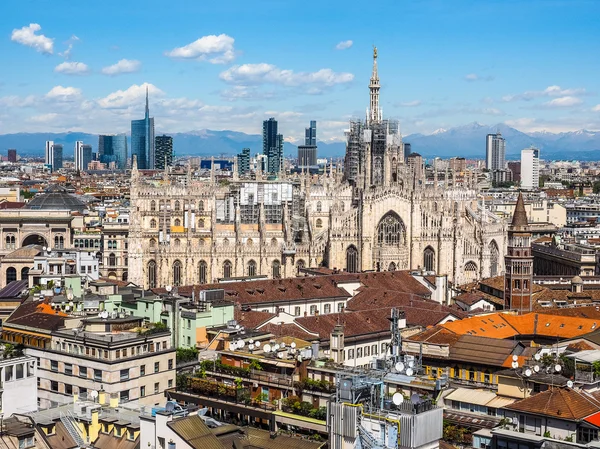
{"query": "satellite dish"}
pixel 93 394
pixel 557 368
pixel 399 367
pixel 411 364
pixel 528 372
pixel 537 357
pixel 515 365
pixel 397 399
pixel 169 288
pixel 241 344
pixel 280 355
pixel 515 358
pixel 536 368
pixel 170 406
pixel 570 384
pixel 415 398
pixel 282 345
pixel 293 345
pixel 237 326
pixel 251 341
pixel 257 344
pixel 409 372
pixel 267 348
pixel 45 248
pixel 300 358
pixel 276 347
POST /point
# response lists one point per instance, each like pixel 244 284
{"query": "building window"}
pixel 297 311
pixel 112 260
pixel 98 375
pixel 156 367
pixel 177 271
pixel 142 391
pixel 350 354
pixel 177 205
pixel 53 385
pixel 68 389
pixel 143 370
pixel 494 257
pixel 313 310
pixel 177 222
pixel 276 269
pixel 319 206
pixel 54 365
pixel 200 206
pixel 10 242
pixel 319 223
pixel 170 383
pixel 201 223
pixel 152 274
pixel 340 307
pixel 152 205
pixel 11 274
pixel 124 396
pixel 252 268
pixel 359 353
pixel 374 349
pixel 170 363
pixel 83 371
pixel 153 224
pixel 227 269
pixel 352 259
pixel 391 231
pixel 327 308
pixel 156 388
pixel 202 271
pixel 429 259
pixel 125 374
pixel 68 369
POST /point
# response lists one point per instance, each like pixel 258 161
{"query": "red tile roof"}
pixel 561 403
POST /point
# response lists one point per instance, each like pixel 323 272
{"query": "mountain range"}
pixel 467 141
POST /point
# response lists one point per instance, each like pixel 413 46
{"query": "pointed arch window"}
pixel 276 269
pixel 429 259
pixel 319 206
pixel 391 231
pixel 227 269
pixel 202 272
pixel 177 205
pixel 352 259
pixel 153 224
pixel 151 274
pixel 494 258
pixel 177 273
pixel 299 266
pixel 152 205
pixel 251 268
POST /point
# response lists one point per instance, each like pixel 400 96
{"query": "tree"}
pixel 597 187
pixel 184 355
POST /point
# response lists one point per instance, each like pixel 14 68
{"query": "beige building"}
pixel 542 211
pixel 114 355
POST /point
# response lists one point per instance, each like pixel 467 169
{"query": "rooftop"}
pixel 561 403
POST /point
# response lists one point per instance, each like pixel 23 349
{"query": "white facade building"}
pixel 18 385
pixel 530 168
pixel 495 152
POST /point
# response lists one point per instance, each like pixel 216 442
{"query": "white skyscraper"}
pixel 83 155
pixel 54 155
pixel 530 168
pixel 49 153
pixel 495 152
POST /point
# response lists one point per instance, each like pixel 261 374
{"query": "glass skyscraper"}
pixel 113 148
pixel 142 140
pixel 164 151
pixel 272 146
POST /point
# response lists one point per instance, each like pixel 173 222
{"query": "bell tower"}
pixel 518 278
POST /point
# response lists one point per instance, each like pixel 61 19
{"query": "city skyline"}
pixel 215 77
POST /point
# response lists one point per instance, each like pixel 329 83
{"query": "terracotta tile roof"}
pixel 117 282
pixel 581 312
pixel 482 350
pixel 436 335
pixel 251 319
pixel 36 314
pixel 11 205
pixel 580 346
pixel 271 290
pixel 400 281
pixel 355 323
pixel 561 403
pixel 492 325
pixel 472 298
pixel 109 441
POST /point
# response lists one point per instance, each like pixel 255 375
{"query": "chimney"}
pixel 101 396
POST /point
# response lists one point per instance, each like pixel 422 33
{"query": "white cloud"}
pixel 72 68
pixel 26 36
pixel 248 74
pixel 596 108
pixel 43 118
pixel 14 101
pixel 123 66
pixel 550 91
pixel 123 99
pixel 214 49
pixel 344 45
pixel 563 102
pixel 67 53
pixel 474 77
pixel 64 93
pixel 245 93
pixel 410 104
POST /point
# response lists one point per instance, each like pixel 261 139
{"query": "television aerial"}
pixel 397 399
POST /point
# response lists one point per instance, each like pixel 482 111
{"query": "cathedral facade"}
pixel 378 214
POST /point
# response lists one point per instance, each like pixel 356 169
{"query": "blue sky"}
pixel 84 66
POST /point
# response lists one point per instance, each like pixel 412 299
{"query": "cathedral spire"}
pixel 374 111
pixel 519 219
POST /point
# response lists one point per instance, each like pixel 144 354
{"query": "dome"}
pixel 56 198
pixel 576 280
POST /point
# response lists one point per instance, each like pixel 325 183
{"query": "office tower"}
pixel 272 146
pixel 164 151
pixel 83 155
pixel 495 152
pixel 307 153
pixel 142 140
pixel 243 160
pixel 54 155
pixel 12 155
pixel 515 169
pixel 407 150
pixel 457 164
pixel 530 168
pixel 415 162
pixel 113 148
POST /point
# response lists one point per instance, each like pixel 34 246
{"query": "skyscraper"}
pixel 243 160
pixel 530 168
pixel 272 146
pixel 54 155
pixel 164 151
pixel 495 152
pixel 307 153
pixel 12 155
pixel 113 148
pixel 142 140
pixel 83 155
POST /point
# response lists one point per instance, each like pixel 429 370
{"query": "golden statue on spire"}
pixel 374 52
